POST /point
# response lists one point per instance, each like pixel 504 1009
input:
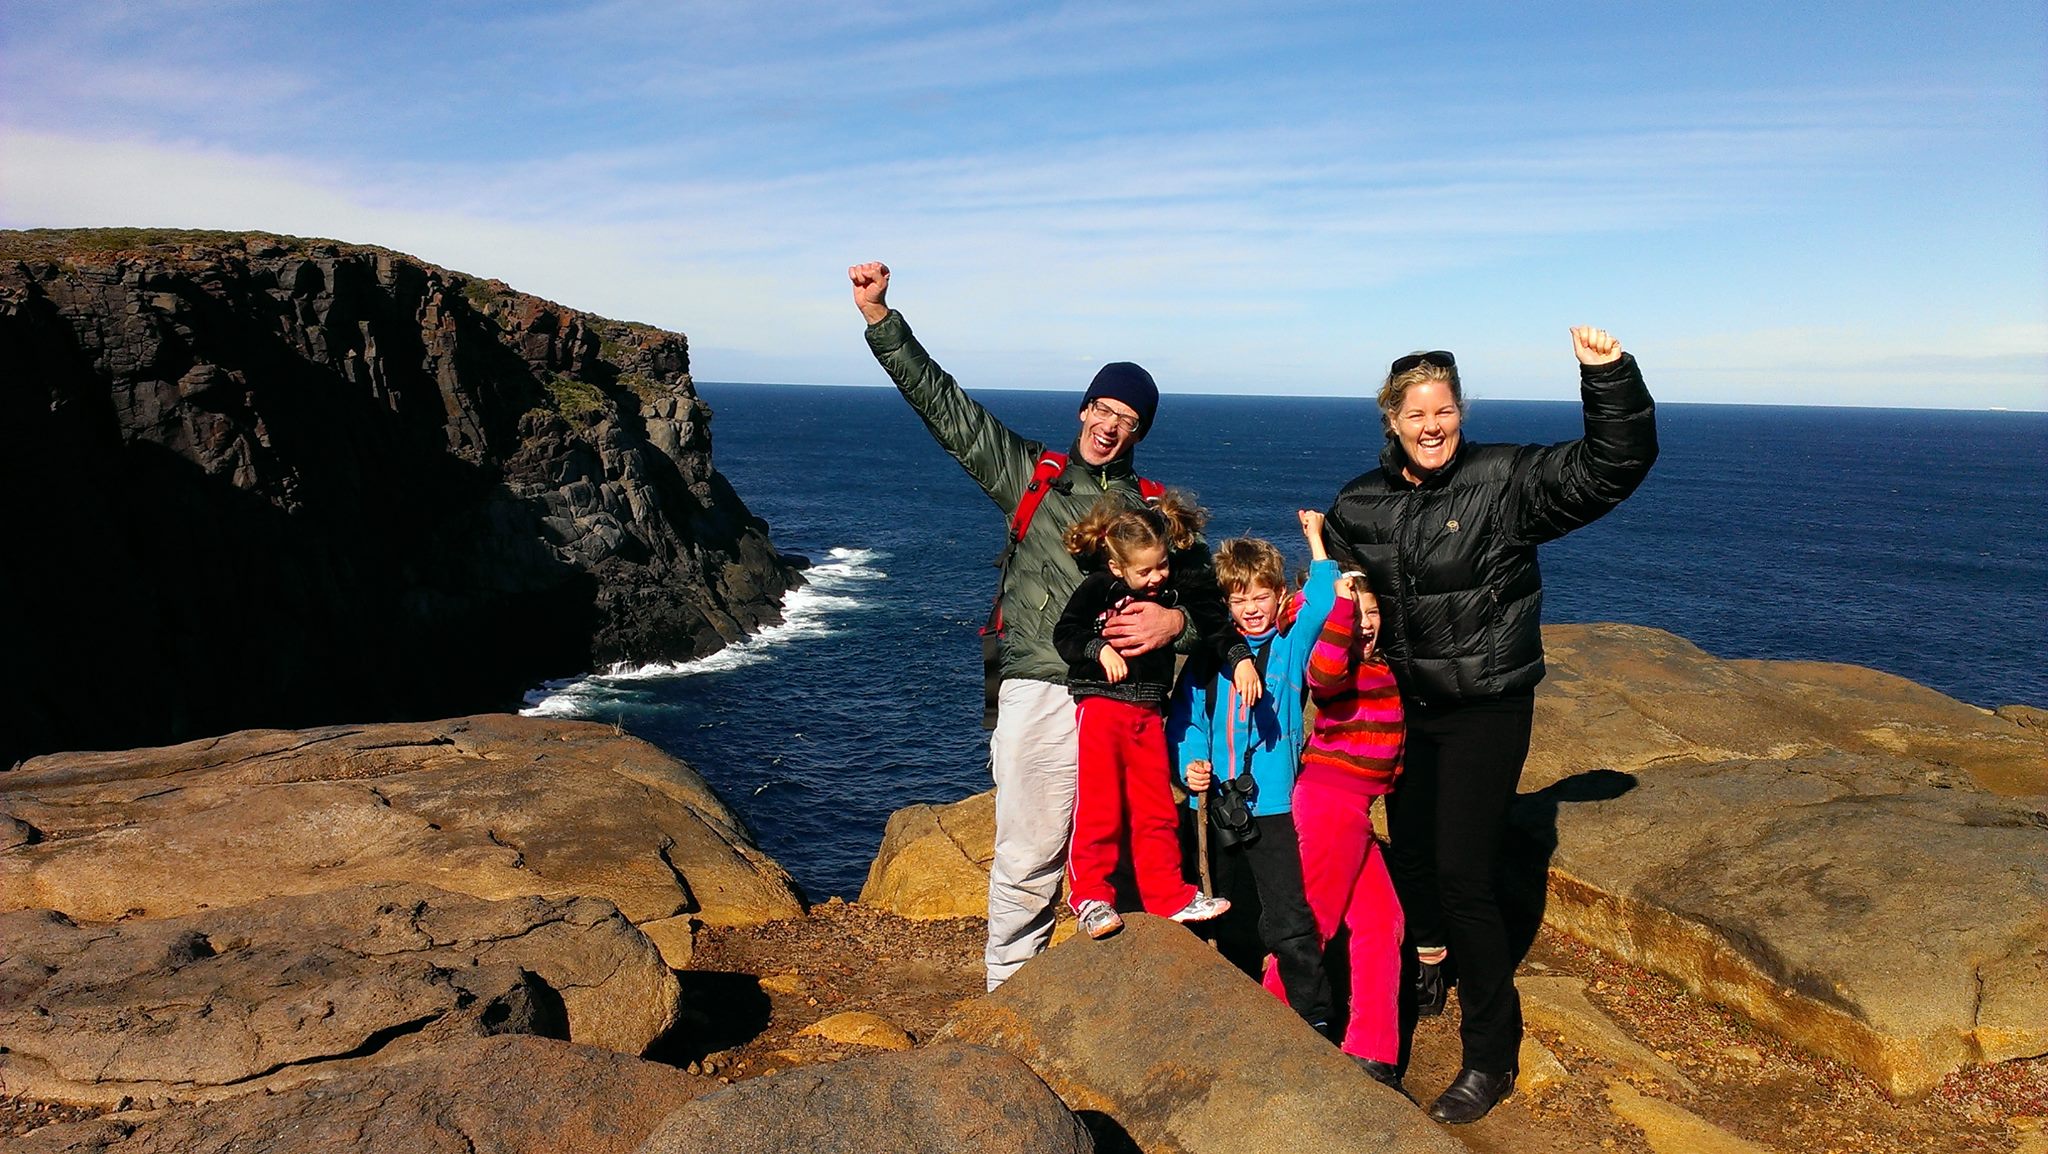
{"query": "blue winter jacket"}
pixel 1200 725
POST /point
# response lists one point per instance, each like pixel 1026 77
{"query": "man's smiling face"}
pixel 1108 430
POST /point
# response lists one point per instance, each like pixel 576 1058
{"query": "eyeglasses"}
pixel 1128 424
pixel 1439 358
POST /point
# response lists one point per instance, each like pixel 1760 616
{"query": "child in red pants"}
pixel 1122 789
pixel 1353 756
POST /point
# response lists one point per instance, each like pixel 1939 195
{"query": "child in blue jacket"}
pixel 1215 738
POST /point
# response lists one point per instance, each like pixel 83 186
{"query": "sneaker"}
pixel 1201 908
pixel 1099 919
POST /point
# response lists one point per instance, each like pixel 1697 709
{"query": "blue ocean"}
pixel 1908 541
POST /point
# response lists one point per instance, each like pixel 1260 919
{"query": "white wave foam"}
pixel 831 590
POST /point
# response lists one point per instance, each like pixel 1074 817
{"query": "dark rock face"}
pixel 263 481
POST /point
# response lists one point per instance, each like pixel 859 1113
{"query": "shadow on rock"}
pixel 1109 1135
pixel 530 1007
pixel 1532 841
pixel 720 1010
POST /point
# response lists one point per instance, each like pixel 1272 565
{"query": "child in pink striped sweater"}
pixel 1353 756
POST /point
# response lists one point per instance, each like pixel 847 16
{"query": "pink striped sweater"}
pixel 1356 744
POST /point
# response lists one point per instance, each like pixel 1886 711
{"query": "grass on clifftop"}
pixel 483 295
pixel 574 398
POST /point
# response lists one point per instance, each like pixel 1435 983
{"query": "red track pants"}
pixel 1346 882
pixel 1122 793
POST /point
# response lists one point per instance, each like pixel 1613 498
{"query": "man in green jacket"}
pixel 1033 749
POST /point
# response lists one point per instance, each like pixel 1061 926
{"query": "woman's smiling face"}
pixel 1426 423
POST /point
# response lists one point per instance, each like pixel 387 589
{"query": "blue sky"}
pixel 1817 204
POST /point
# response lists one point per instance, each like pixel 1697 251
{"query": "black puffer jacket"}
pixel 1453 560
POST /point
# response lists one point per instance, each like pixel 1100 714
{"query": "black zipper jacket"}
pixel 1453 559
pixel 1191 587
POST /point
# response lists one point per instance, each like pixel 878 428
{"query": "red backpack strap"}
pixel 1050 465
pixel 1150 489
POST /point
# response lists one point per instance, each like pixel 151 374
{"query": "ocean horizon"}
pixel 1474 397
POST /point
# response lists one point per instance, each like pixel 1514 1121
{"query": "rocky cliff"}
pixel 266 481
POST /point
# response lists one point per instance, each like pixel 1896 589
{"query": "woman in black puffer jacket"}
pixel 1447 533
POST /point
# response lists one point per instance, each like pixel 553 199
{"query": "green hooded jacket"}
pixel 1042 574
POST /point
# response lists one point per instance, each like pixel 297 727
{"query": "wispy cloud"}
pixel 1207 189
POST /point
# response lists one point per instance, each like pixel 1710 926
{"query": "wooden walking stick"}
pixel 1202 843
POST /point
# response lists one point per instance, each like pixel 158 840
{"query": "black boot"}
pixel 1386 1074
pixel 1471 1095
pixel 1431 990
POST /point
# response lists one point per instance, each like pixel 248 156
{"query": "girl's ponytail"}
pixel 1183 518
pixel 1085 538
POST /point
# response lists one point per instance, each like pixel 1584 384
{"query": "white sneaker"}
pixel 1099 919
pixel 1201 908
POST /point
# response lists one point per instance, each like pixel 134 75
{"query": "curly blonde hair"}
pixel 1119 526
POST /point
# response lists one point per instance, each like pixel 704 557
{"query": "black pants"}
pixel 1269 913
pixel 1447 820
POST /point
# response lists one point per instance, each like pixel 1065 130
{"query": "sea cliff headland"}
pixel 276 481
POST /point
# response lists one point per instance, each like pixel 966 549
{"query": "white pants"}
pixel 1033 754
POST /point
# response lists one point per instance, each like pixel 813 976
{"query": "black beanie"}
pixel 1126 382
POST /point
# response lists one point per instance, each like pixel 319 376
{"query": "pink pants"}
pixel 1123 791
pixel 1346 882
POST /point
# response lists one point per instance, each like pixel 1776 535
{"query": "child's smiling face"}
pixel 1368 621
pixel 1255 608
pixel 1144 570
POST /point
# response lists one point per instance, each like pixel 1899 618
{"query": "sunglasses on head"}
pixel 1439 358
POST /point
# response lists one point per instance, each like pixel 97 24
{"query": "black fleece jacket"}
pixel 1191 588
